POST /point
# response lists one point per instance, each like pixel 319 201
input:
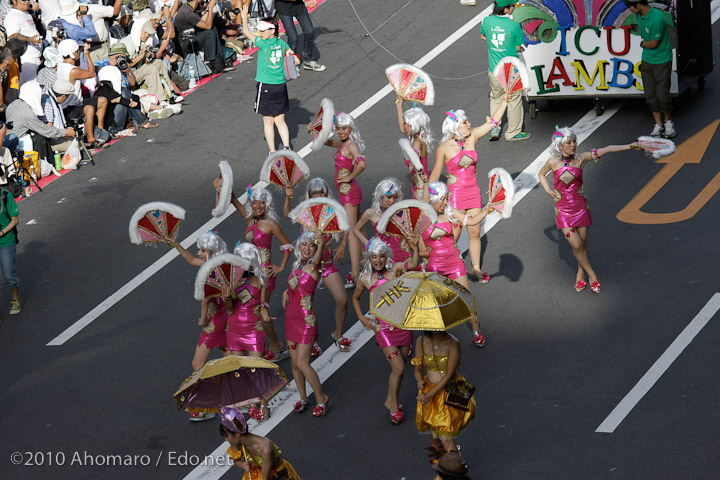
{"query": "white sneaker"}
pixel 160 113
pixel 470 3
pixel 658 131
pixel 670 129
pixel 314 66
pixel 176 108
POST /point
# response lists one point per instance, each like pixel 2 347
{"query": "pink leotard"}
pixel 300 321
pixel 244 329
pixel 348 193
pixel 213 335
pixel 398 246
pixel 389 335
pixel 461 180
pixel 263 241
pixel 416 181
pixel 444 257
pixel 571 210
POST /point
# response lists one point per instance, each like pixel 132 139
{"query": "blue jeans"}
pixel 7 264
pixel 121 113
pixel 11 142
pixel 308 30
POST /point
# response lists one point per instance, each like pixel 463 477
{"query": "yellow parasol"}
pixel 423 301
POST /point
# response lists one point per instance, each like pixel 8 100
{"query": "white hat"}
pixel 68 7
pixel 67 47
pixel 63 87
pixel 149 14
pixel 262 25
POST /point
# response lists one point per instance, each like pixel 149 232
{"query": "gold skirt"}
pixel 283 472
pixel 442 419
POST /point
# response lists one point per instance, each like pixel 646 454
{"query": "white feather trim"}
pixel 342 217
pixel 171 208
pixel 225 190
pixel 328 123
pixel 658 153
pixel 410 154
pixel 243 198
pixel 211 264
pixel 385 217
pixel 299 162
pixel 430 95
pixel 509 186
pixel 524 77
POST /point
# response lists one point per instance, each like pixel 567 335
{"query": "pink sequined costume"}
pixel 300 322
pixel 389 335
pixel 571 210
pixel 444 257
pixel 213 335
pixel 244 330
pixel 348 193
pixel 461 180
pixel 263 241
pixel 327 264
pixel 417 183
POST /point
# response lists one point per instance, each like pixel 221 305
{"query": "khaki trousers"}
pixel 515 110
pixel 149 74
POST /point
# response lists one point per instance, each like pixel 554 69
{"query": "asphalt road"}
pixel 556 363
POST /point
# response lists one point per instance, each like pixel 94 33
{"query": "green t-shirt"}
pixel 653 27
pixel 9 209
pixel 271 57
pixel 503 37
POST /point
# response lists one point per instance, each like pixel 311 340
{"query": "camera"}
pixel 122 63
pixel 9 125
pixel 78 124
pixel 188 34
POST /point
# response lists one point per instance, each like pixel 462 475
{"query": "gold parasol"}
pixel 423 301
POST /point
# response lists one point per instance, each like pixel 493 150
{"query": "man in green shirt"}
pixel 656 66
pixel 504 39
pixel 8 239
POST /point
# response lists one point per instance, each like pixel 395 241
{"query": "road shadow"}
pixel 563 247
pixel 297 119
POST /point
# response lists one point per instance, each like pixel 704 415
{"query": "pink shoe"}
pixel 201 417
pixel 396 417
pixel 300 406
pixel 485 278
pixel 595 287
pixel 258 414
pixel 478 339
pixel 316 351
pixel 580 286
pixel 321 409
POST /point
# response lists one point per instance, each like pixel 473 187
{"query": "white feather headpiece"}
pixel 171 208
pixel 385 217
pixel 342 217
pixel 299 163
pixel 211 264
pixel 410 154
pixel 509 186
pixel 328 124
pixel 225 190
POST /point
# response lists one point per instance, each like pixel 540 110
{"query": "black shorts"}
pixel 271 99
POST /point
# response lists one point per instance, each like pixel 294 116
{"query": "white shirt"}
pixel 22 23
pixel 99 13
pixel 50 11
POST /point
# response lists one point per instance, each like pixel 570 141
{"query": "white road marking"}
pixel 660 366
pixel 282 404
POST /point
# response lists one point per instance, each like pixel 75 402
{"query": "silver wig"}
pixel 386 187
pixel 318 185
pixel 419 123
pixel 438 191
pixel 346 120
pixel 375 246
pixel 451 124
pixel 251 253
pixel 305 237
pixel 212 243
pixel 262 195
pixel 560 136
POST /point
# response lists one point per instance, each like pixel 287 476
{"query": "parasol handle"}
pixel 309 128
pixel 398 99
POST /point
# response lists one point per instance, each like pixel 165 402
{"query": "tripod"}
pixel 85 155
pixel 260 9
pixel 189 37
pixel 21 171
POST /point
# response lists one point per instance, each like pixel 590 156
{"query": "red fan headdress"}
pixel 223 189
pixel 220 276
pixel 512 74
pixel 657 147
pixel 501 192
pixel 322 126
pixel 155 222
pixel 407 219
pixel 410 154
pixel 411 83
pixel 284 168
pixel 321 215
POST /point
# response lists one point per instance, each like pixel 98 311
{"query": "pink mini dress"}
pixel 444 257
pixel 348 193
pixel 213 335
pixel 396 244
pixel 263 241
pixel 244 326
pixel 389 335
pixel 461 180
pixel 415 180
pixel 300 321
pixel 571 210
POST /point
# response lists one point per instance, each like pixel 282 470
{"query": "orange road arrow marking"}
pixel 690 151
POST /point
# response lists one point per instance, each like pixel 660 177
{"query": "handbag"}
pixel 289 68
pixel 459 394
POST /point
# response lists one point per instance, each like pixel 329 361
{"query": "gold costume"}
pixel 283 470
